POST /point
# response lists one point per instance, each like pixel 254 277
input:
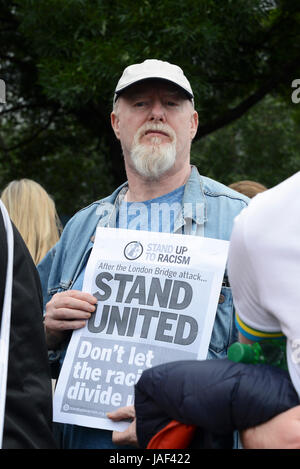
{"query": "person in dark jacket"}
pixel 199 404
pixel 28 408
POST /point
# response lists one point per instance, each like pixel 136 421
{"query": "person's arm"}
pixel 281 432
pixel 65 312
pixel 244 340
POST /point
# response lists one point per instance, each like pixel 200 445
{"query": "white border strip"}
pixel 6 315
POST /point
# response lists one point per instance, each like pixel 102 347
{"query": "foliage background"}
pixel 61 59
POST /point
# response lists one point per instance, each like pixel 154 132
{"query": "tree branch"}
pixel 18 108
pixel 26 141
pixel 235 113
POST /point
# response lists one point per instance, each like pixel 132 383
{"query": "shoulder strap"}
pixel 6 316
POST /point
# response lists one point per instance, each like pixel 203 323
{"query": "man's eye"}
pixel 172 103
pixel 139 104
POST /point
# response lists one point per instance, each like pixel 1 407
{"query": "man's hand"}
pixel 67 311
pixel 128 436
pixel 281 432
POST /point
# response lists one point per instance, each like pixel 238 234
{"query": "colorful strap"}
pixel 255 334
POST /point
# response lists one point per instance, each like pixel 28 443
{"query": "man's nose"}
pixel 157 112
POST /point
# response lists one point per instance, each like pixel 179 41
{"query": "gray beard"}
pixel 154 159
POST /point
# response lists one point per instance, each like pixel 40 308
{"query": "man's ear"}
pixel 115 124
pixel 194 124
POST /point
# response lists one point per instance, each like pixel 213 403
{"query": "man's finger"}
pixel 73 300
pixel 128 437
pixel 120 438
pixel 80 295
pixel 122 413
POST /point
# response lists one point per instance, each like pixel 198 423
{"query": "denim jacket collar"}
pixel 192 217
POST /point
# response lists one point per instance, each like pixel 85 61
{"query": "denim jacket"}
pixel 208 209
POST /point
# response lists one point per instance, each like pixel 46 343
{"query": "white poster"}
pixel 157 298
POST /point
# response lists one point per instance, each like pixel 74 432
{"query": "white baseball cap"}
pixel 153 69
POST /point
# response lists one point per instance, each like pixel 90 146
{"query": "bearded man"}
pixel 155 120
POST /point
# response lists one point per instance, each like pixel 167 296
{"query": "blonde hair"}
pixel 34 214
pixel 248 188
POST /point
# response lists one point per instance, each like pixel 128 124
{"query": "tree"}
pixel 62 58
pixel 263 145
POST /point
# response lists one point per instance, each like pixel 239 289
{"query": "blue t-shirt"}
pixel 157 214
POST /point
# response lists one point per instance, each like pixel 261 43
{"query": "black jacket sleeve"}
pixel 28 411
pixel 219 396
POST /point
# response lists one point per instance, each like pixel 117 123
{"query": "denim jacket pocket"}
pixel 224 330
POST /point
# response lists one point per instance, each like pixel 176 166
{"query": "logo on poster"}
pixel 133 250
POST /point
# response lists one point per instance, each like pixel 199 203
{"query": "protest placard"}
pixel 157 298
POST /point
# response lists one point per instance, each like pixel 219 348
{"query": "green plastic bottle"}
pixel 267 351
